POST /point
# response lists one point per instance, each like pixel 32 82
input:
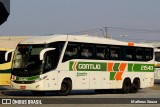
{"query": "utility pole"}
pixel 106 30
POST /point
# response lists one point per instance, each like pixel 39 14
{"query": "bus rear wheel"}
pixel 135 86
pixel 126 88
pixel 66 87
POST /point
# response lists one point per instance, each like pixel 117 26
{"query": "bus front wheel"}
pixel 66 87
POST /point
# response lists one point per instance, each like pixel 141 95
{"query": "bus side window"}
pixel 50 62
pixel 114 55
pixel 157 56
pixel 128 53
pixel 149 54
pixel 86 51
pixel 115 52
pixel 71 52
pixel 101 51
pixel 139 54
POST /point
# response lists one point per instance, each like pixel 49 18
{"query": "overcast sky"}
pixel 40 17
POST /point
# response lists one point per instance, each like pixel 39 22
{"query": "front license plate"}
pixel 22 87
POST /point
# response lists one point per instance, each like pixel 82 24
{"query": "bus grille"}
pixel 24 82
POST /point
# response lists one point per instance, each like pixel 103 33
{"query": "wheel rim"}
pixel 64 88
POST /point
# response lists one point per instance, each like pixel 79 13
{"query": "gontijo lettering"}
pixel 89 66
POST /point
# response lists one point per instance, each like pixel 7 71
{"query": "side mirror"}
pixel 7 53
pixel 44 51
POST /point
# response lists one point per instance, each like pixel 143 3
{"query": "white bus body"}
pixel 65 62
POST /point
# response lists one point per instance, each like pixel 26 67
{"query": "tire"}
pixel 126 88
pixel 66 87
pixel 135 86
pixel 38 93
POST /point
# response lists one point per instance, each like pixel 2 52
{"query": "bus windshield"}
pixel 157 56
pixel 26 60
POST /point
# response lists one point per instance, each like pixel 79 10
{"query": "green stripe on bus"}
pixel 27 78
pixel 112 75
pixel 140 67
pixel 70 65
pixel 116 67
pixel 130 67
pixel 5 71
pixel 102 66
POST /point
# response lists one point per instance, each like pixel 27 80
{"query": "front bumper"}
pixel 34 86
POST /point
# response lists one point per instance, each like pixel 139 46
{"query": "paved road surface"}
pixel 5 92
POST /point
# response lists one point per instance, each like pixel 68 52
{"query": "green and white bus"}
pixel 62 63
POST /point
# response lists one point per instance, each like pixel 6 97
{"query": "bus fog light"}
pixel 13 77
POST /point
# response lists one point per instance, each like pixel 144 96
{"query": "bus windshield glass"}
pixel 157 56
pixel 26 60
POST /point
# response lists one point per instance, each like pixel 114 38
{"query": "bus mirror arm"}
pixel 7 53
pixel 41 56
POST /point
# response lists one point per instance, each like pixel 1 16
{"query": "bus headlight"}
pixel 13 78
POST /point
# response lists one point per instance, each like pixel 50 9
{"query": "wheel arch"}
pixel 127 78
pixel 65 87
pixel 67 79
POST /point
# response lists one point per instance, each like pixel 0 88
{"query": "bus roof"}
pixel 78 38
pixel 154 44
